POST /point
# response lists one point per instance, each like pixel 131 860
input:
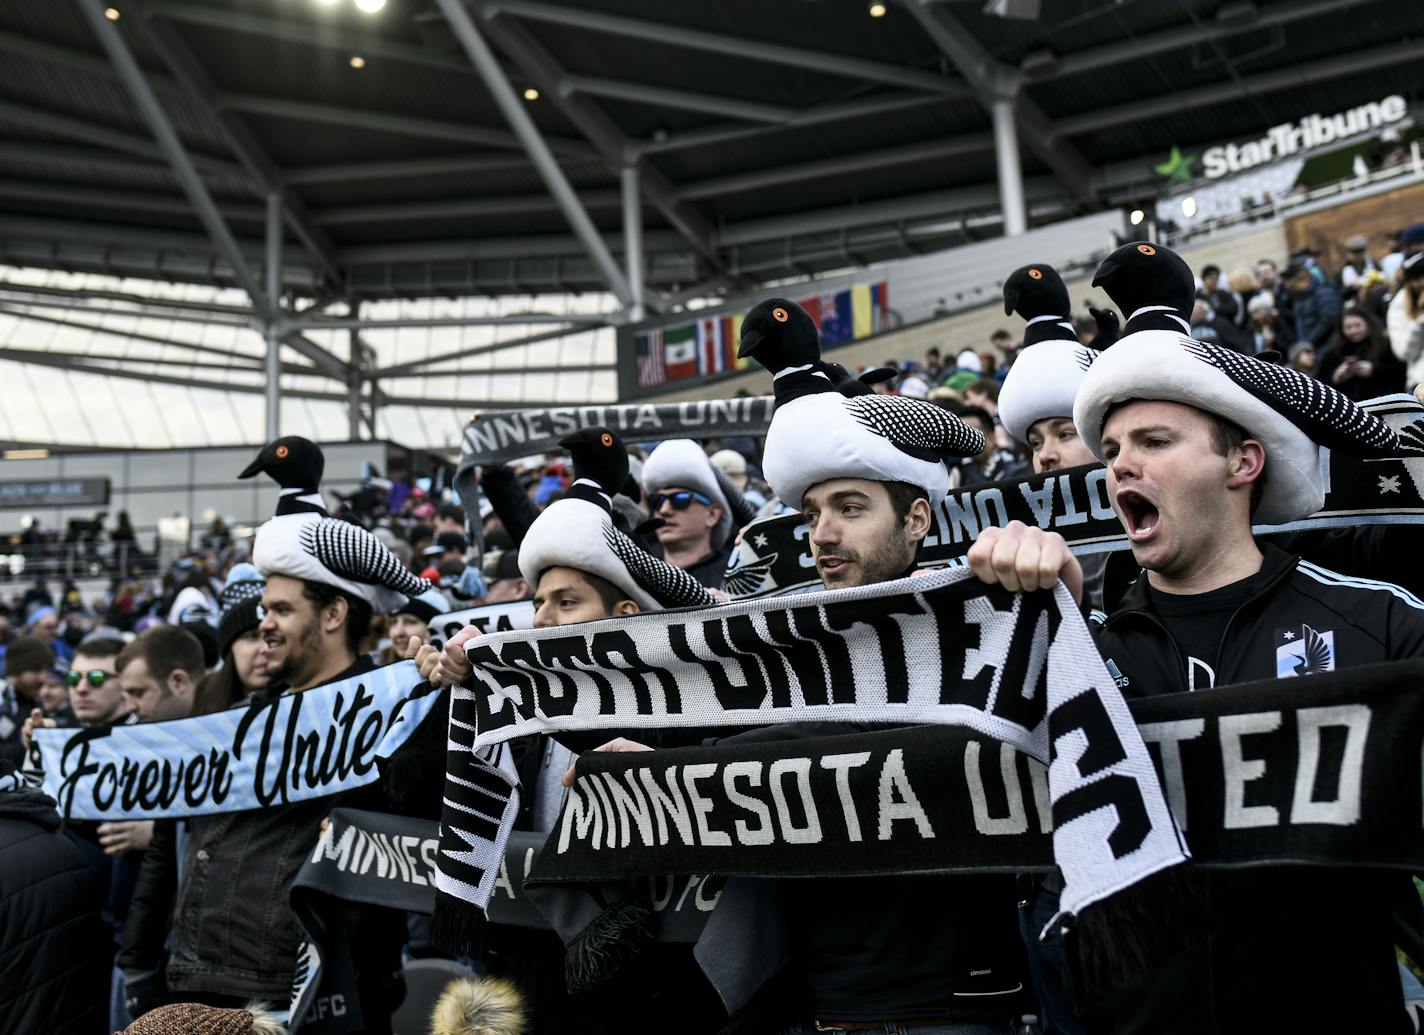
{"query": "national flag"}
pixel 861 320
pixel 680 351
pixel 880 307
pixel 813 309
pixel 836 325
pixel 711 346
pixel 648 348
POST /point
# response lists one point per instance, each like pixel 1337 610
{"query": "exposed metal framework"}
pixel 670 153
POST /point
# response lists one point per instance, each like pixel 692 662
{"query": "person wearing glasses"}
pixel 700 509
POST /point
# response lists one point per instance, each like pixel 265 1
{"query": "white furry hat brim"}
pixel 682 463
pixel 572 533
pixel 1163 365
pixel 1043 383
pixel 278 549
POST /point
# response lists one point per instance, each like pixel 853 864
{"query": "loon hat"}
pixel 683 463
pixel 240 604
pixel 577 531
pixel 1292 414
pixel 302 542
pixel 1042 383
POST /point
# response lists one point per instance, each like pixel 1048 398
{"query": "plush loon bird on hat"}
pixel 302 542
pixel 1044 379
pixel 1292 414
pixel 577 531
pixel 817 433
pixel 683 463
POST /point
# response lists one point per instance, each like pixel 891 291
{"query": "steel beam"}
pixel 11 309
pixel 1010 172
pixel 418 366
pixel 176 317
pixel 113 43
pixel 340 323
pixel 633 239
pixel 514 112
pixel 104 136
pixel 1281 78
pixel 244 313
pixel 774 176
pixel 387 122
pixel 819 115
pixel 272 369
pixel 535 61
pixel 64 194
pixel 1167 40
pixel 992 81
pixel 240 140
pixel 684 100
pixel 402 168
pixel 455 208
pixel 747 48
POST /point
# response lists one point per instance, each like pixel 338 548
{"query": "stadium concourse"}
pixel 943 427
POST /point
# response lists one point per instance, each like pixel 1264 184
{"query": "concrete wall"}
pixel 972 328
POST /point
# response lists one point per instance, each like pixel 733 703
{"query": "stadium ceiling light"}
pixel 111 13
pixel 31 454
pixel 357 61
pixel 531 93
pixel 1189 206
pixel 877 9
pixel 1137 216
pixel 370 6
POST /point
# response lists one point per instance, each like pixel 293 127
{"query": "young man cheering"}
pixel 1199 443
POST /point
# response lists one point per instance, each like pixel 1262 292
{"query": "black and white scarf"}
pixel 943 648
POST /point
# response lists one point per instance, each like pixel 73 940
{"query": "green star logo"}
pixel 1178 167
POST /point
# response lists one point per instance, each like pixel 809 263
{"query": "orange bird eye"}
pixel 1147 249
pixel 282 452
pixel 606 439
pixel 1035 274
pixel 780 315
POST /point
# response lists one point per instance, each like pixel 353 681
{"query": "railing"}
pixel 84 560
pixel 1276 208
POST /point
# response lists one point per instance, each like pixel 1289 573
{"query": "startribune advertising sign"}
pixel 1289 138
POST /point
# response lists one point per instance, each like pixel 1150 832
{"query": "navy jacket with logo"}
pixel 1289 948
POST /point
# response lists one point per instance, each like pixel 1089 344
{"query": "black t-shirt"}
pixel 1197 622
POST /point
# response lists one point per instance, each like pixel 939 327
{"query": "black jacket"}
pixel 233 932
pixel 54 954
pixel 1299 949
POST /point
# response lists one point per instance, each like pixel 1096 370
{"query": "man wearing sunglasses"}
pixel 699 508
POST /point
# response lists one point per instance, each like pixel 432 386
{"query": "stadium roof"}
pixel 771 139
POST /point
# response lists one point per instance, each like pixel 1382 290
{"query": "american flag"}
pixel 649 351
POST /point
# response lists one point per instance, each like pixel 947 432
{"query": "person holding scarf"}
pixel 929 955
pixel 1200 442
pixel 583 569
pixel 234 937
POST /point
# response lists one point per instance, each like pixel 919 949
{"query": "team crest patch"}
pixel 1303 651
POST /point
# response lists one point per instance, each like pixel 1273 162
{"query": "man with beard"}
pixel 928 954
pixel 234 939
pixel 1198 443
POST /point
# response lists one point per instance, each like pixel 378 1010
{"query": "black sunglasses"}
pixel 679 500
pixel 96 678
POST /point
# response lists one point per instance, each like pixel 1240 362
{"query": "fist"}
pixel 1021 558
pixel 617 744
pixel 455 668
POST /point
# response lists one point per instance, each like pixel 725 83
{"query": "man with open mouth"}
pixel 1200 443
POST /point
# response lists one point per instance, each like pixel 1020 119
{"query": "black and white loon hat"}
pixel 818 434
pixel 577 531
pixel 1292 414
pixel 302 542
pixel 683 463
pixel 1044 380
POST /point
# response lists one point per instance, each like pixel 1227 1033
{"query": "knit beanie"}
pixel 196 1019
pixel 240 600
